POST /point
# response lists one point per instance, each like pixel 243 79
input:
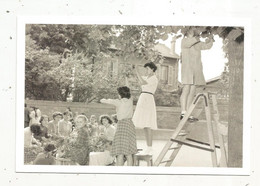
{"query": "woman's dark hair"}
pixel 114 117
pixel 35 129
pixel 151 65
pixel 124 92
pixel 105 117
pixel 66 113
pixel 57 114
pixel 49 147
pixel 42 118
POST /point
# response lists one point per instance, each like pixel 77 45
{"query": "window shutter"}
pixel 158 71
pixel 170 75
pixel 164 73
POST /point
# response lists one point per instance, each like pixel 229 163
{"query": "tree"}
pixel 48 74
pixel 38 63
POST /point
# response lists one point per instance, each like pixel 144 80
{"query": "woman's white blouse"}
pixel 124 107
pixel 152 83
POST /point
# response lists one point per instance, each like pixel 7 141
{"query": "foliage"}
pixel 163 98
pixel 92 81
pixel 225 78
pixel 38 64
pixel 65 145
pixel 51 75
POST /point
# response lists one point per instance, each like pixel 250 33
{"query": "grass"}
pixel 167 117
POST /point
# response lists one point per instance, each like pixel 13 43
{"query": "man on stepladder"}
pixel 191 68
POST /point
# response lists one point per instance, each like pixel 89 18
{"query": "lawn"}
pixel 167 117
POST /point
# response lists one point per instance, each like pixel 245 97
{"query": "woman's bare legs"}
pixel 130 160
pixel 148 136
pixel 120 160
pixel 184 97
pixel 190 96
pixel 149 140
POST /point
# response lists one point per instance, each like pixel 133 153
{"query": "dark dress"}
pixel 79 150
pixel 26 117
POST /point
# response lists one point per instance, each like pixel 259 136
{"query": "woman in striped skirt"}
pixel 124 143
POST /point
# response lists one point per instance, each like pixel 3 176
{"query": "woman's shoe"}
pixel 193 119
pixel 182 116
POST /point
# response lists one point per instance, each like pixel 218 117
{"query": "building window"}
pixel 164 73
pixel 171 75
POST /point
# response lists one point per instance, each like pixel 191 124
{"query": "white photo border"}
pixel 178 21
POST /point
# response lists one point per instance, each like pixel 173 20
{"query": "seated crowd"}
pixel 68 136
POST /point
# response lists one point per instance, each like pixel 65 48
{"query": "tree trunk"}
pixel 235 118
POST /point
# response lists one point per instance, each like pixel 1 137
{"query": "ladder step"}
pixel 182 134
pixel 191 145
pixel 201 142
pixel 174 148
pixel 165 161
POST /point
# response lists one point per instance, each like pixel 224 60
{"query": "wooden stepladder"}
pixel 180 138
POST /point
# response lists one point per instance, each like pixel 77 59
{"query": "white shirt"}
pixel 110 132
pixel 151 85
pixel 124 107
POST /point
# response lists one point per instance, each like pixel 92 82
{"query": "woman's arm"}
pixel 205 45
pixel 140 79
pixel 114 102
pixel 189 42
pixel 31 115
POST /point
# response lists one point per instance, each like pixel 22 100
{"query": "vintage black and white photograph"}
pixel 135 96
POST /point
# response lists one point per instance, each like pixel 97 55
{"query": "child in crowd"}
pixel 43 124
pixel 115 120
pixel 33 116
pixel 109 130
pixel 94 125
pixel 101 128
pixel 72 120
pixel 46 158
pixel 54 124
pixel 38 114
pixel 124 143
pixel 70 112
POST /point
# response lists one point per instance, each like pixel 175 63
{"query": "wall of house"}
pixel 168 74
pixel 167 71
pixel 217 86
